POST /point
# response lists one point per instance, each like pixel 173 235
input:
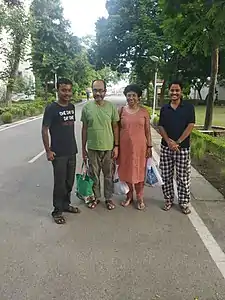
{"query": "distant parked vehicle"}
pixel 22 97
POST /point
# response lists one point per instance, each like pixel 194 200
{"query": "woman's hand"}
pixel 149 153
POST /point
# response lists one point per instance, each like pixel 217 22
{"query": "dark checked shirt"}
pixel 60 121
pixel 175 121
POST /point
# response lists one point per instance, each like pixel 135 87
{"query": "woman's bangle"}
pixel 149 146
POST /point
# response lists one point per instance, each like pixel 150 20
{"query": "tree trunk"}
pixel 46 91
pixel 13 71
pixel 213 81
pixel 11 80
pixel 162 94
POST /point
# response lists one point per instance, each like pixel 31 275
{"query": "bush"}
pixel 156 120
pixel 7 117
pixel 202 143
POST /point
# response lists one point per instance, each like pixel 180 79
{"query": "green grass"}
pixel 218 115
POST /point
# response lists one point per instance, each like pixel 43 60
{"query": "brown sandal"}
pixel 92 204
pixel 126 202
pixel 110 205
pixel 58 218
pixel 167 206
pixel 73 210
pixel 140 205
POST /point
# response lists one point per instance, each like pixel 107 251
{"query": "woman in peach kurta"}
pixel 135 144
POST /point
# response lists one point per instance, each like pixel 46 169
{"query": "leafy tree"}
pixel 132 34
pixel 197 27
pixel 16 25
pixel 53 47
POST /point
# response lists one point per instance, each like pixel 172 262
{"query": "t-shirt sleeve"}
pixel 83 116
pixel 161 118
pixel 48 116
pixel 115 115
pixel 192 115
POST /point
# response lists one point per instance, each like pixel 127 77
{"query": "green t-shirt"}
pixel 98 120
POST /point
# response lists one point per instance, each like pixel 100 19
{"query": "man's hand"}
pixel 50 155
pixel 173 145
pixel 149 153
pixel 85 155
pixel 115 152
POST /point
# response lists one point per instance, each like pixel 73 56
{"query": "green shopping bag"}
pixel 84 184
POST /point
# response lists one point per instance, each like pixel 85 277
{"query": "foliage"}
pixel 16 24
pixel 197 27
pixel 7 117
pixel 53 47
pixel 56 51
pixel 202 143
pixel 149 109
pixel 130 34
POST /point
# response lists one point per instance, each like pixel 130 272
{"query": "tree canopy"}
pixel 186 36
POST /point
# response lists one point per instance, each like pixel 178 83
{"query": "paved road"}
pixel 118 255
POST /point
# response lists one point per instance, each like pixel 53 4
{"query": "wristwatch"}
pixel 178 142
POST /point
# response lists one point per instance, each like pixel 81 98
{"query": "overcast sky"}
pixel 83 14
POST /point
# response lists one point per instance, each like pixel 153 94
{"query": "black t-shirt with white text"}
pixel 60 121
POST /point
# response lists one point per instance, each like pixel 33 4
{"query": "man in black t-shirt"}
pixel 58 121
pixel 176 123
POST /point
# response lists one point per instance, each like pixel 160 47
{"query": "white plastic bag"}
pixel 152 176
pixel 120 187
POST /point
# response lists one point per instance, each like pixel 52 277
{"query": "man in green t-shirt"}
pixel 100 134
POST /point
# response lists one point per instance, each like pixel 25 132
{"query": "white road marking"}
pixel 208 240
pixel 25 121
pixel 36 157
pixel 42 152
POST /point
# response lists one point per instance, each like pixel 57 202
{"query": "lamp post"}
pixel 56 81
pixel 155 59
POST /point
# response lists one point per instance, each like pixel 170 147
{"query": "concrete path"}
pixel 118 255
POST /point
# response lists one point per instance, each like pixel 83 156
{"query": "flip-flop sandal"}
pixel 93 204
pixel 110 205
pixel 167 206
pixel 185 210
pixel 126 202
pixel 141 205
pixel 73 210
pixel 59 219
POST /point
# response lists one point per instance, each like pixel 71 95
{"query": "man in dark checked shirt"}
pixel 176 123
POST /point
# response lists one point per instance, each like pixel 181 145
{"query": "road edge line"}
pixel 215 251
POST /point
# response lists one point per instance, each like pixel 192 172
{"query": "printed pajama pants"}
pixel 181 162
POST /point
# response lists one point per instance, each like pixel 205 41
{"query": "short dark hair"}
pixel 63 81
pixel 133 88
pixel 178 82
pixel 102 80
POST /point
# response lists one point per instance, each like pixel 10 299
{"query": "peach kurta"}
pixel 133 146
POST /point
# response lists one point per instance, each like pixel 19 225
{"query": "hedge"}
pixel 20 110
pixel 202 143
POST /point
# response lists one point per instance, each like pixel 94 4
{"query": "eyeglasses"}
pixel 100 91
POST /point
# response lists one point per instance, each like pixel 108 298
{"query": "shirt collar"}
pixel 180 105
